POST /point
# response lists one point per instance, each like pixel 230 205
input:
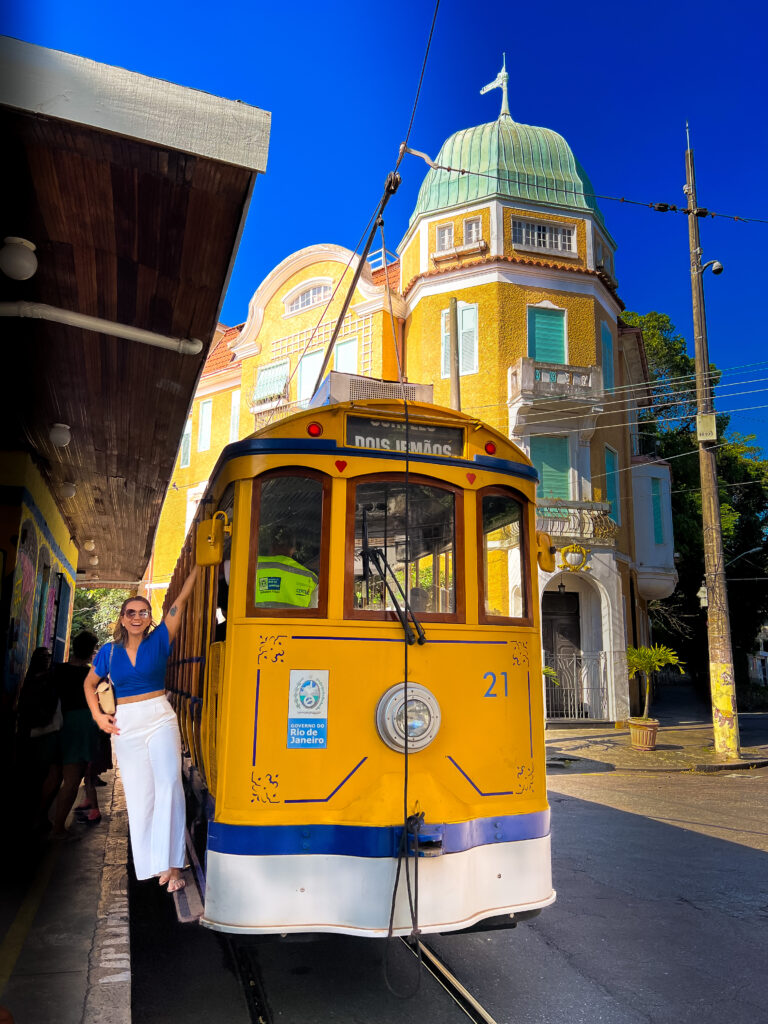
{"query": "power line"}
pixel 742 483
pixel 616 408
pixel 401 154
pixel 658 207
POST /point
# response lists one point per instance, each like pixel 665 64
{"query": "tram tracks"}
pixel 460 995
pixel 245 962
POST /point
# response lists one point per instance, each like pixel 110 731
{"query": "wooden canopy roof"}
pixel 134 192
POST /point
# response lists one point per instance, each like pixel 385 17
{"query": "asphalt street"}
pixel 662 915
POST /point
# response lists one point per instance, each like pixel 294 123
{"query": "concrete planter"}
pixel 642 733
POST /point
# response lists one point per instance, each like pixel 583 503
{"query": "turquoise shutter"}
pixel 658 523
pixel 607 342
pixel 550 457
pixel 612 484
pixel 467 339
pixel 270 384
pixel 546 335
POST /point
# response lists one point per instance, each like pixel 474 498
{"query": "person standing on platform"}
pixel 79 735
pixel 147 742
pixel 38 726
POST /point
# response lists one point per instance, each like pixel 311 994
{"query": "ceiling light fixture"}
pixel 90 545
pixel 17 258
pixel 67 490
pixel 60 435
pixel 93 560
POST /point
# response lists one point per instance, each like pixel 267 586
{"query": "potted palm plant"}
pixel 646 661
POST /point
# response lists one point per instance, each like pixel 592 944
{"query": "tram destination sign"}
pixel 389 436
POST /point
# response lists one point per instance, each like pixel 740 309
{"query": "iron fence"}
pixel 581 689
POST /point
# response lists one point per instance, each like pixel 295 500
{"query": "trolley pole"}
pixel 722 683
pixel 453 338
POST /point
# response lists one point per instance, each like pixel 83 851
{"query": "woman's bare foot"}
pixel 172 878
pixel 175 882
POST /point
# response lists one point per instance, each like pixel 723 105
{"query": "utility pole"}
pixel 453 338
pixel 722 684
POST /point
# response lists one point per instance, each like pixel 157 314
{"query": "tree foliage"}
pixel 743 490
pixel 97 611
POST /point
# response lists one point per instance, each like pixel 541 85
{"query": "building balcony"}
pixel 531 381
pixel 578 521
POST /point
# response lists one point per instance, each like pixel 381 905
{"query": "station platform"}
pixel 65 956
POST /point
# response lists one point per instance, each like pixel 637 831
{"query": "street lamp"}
pixel 722 684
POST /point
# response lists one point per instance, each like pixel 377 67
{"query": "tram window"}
pixel 422 557
pixel 226 504
pixel 504 590
pixel 288 518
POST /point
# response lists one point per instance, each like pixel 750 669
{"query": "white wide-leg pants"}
pixel 148 751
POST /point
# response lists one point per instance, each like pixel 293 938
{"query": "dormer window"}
pixel 549 237
pixel 444 237
pixel 307 294
pixel 310 297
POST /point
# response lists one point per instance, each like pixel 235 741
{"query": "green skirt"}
pixel 79 737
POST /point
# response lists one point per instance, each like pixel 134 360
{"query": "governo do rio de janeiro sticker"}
pixel 308 708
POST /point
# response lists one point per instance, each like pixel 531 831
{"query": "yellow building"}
pixel 515 235
pixel 213 421
pixel 290 322
pixel 513 232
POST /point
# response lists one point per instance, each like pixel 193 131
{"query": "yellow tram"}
pixel 359 678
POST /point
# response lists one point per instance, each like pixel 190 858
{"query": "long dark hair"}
pixel 120 633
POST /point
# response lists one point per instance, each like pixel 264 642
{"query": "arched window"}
pixel 309 297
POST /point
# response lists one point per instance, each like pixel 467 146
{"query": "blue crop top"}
pixel 147 675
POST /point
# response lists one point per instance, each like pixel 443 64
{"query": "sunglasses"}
pixel 135 613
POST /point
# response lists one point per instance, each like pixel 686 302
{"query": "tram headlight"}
pixel 412 707
pixel 419 719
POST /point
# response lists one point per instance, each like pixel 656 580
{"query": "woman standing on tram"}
pixel 147 742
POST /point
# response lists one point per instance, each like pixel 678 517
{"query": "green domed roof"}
pixel 510 160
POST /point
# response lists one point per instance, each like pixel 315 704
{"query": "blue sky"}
pixel 618 82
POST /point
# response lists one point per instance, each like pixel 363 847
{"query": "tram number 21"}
pixel 491 691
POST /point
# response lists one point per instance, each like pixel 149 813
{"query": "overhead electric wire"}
pixel 658 206
pixel 412 823
pixel 324 311
pixel 401 154
pixel 542 415
pixel 741 483
pixel 571 420
pixel 614 426
pixel 674 385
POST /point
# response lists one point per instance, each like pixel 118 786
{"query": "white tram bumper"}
pixel 352 895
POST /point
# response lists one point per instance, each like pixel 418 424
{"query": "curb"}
pixel 726 766
pixel 733 766
pixel 108 996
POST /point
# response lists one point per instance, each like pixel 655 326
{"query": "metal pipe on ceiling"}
pixel 41 311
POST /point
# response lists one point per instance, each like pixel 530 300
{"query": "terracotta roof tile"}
pixel 393 273
pixel 523 261
pixel 221 356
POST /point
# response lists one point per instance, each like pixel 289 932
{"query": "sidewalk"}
pixel 685 742
pixel 65 954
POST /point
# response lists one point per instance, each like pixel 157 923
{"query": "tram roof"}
pixel 134 192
